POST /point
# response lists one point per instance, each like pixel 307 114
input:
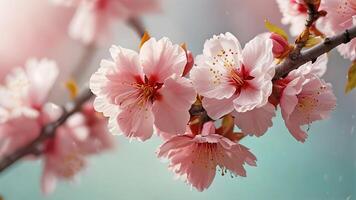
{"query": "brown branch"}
pixel 293 62
pixel 137 25
pixel 47 132
pixel 290 63
pixel 313 15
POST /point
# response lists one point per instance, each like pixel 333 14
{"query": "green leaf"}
pixel 351 78
pixel 275 29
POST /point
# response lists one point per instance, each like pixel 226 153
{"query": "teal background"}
pixel 323 168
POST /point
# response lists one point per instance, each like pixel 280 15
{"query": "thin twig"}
pixel 47 131
pixel 313 15
pixel 137 25
pixel 313 53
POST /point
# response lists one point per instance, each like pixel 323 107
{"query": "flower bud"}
pixel 280 45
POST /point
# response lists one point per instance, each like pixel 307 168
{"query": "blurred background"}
pixel 322 168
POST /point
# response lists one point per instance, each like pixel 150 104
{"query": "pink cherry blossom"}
pixel 256 121
pixel 341 15
pixel 294 14
pixel 196 157
pixel 231 79
pixel 98 138
pixel 24 110
pixel 137 91
pixel 17 131
pixel 306 98
pixel 93 18
pixel 64 156
pixel 23 96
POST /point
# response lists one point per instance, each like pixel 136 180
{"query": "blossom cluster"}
pixel 145 92
pixel 202 107
pixel 25 109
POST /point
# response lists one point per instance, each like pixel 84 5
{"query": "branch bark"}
pixel 297 60
pixel 47 132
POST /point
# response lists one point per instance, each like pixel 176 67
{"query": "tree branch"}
pixel 137 25
pixel 293 62
pixel 289 64
pixel 313 15
pixel 47 132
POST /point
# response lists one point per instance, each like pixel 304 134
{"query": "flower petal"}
pixel 317 68
pixel 258 57
pixel 175 142
pixel 42 74
pixel 161 59
pixel 17 132
pixel 136 122
pixel 296 131
pixel 289 99
pixel 171 110
pixel 115 81
pixel 211 76
pixel 218 108
pixel 48 182
pixel 256 121
pixel 224 46
pixel 249 99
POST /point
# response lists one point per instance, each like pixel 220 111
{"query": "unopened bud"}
pixel 280 45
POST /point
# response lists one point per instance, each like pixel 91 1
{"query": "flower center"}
pixel 239 78
pixel 71 165
pixel 148 91
pixel 209 156
pixel 206 155
pixel 306 103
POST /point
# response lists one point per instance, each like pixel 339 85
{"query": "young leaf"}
pixel 351 78
pixel 312 41
pixel 144 38
pixel 275 29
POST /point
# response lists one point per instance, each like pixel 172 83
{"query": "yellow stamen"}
pixel 236 78
pixel 72 88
